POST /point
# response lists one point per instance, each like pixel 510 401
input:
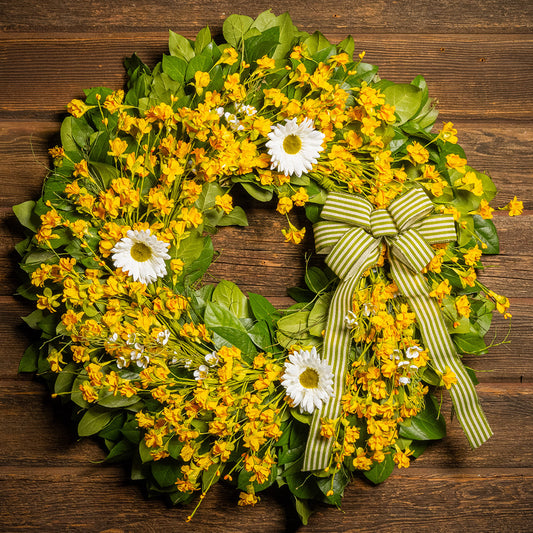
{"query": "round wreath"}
pixel 193 383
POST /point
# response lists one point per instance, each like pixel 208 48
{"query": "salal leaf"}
pixel 95 419
pixel 234 28
pixel 230 296
pixel 429 424
pixel 407 100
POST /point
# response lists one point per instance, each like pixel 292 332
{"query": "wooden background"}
pixel 477 59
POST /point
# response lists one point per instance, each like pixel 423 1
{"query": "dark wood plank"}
pixel 457 68
pixel 425 16
pixel 430 500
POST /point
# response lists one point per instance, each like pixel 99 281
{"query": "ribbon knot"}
pixel 382 224
pixel 352 233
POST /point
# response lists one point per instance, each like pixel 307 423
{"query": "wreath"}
pixel 190 382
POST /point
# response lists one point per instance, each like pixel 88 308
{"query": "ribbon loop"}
pixel 351 233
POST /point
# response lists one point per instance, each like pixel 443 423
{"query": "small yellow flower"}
pixel 515 207
pixel 201 80
pixel 449 378
pixel 284 205
pixel 225 203
pixel 77 108
pixel 293 234
pixel 118 147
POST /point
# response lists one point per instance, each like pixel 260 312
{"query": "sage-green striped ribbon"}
pixel 351 233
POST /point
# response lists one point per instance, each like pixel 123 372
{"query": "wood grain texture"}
pixel 477 59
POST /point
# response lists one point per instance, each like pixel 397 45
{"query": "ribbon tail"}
pixel 443 354
pixel 337 342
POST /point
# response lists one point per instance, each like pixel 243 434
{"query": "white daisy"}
pixel 308 380
pixel 141 255
pixel 294 148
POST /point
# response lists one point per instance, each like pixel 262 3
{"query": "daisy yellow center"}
pixel 292 144
pixel 309 378
pixel 140 252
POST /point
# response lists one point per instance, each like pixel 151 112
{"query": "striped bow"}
pixel 352 234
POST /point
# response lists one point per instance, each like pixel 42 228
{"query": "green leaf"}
pixel 34 318
pixel 165 472
pixel 237 217
pixel 470 343
pixel 426 425
pixel 28 363
pixel 66 378
pixel 406 98
pixel 121 451
pixel 179 46
pixel 112 401
pixel 221 321
pixel 260 335
pixel 265 20
pixel 316 42
pixel 95 419
pixel 348 46
pixel 318 317
pixel 230 296
pixel 289 455
pixel 257 192
pixel 294 324
pixel 380 471
pixel 303 509
pixel 486 231
pixel 337 485
pixel 201 63
pixel 262 308
pixel 75 134
pixel 202 39
pixel 316 279
pixel 234 28
pixel 24 214
pixel 303 485
pixel 175 67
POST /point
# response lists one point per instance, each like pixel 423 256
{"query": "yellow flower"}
pixel 484 210
pixel 266 63
pixel 327 427
pixel 81 169
pixel 300 197
pixel 472 256
pixel 191 216
pixel 417 153
pixel 246 498
pixel 449 378
pixel 229 56
pixel 77 108
pixel 515 207
pixel 118 147
pixel 456 162
pixel 201 80
pixel 284 205
pixel 225 203
pixel 293 234
pixel 448 133
pixel 443 289
pixel 462 305
pixel 401 458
